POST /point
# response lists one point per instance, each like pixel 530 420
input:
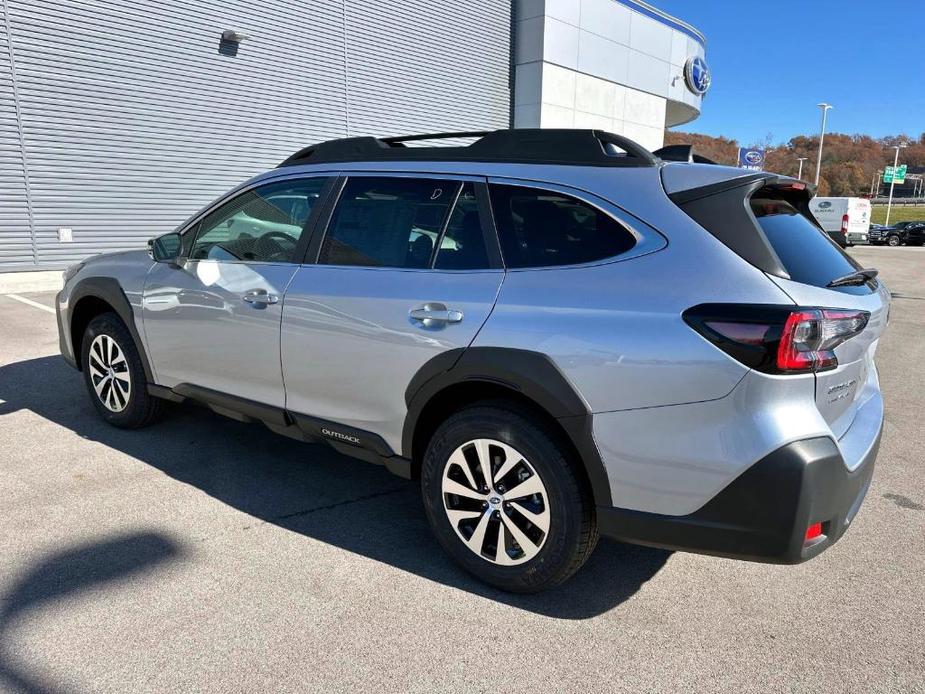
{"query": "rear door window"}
pixel 544 228
pixel 462 246
pixel 388 222
pixel 806 252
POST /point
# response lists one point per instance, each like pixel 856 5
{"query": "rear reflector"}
pixel 777 339
pixel 813 531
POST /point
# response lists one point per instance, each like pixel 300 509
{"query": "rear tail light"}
pixel 777 339
pixel 844 224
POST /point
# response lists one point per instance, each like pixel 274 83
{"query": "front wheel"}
pixel 114 375
pixel 506 500
pixel 893 241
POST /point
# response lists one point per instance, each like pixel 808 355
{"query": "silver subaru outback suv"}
pixel 557 332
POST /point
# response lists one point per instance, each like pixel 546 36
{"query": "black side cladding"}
pixel 108 290
pixel 531 374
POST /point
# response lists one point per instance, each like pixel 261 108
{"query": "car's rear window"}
pixel 805 251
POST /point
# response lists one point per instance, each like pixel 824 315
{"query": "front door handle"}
pixel 434 314
pixel 260 298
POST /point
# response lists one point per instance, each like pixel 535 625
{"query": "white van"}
pixel 846 220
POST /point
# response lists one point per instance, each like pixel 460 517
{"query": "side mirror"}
pixel 166 248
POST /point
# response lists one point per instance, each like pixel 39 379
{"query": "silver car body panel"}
pixel 673 460
pixel 615 328
pixel 841 391
pixel 128 268
pixel 349 347
pixel 201 330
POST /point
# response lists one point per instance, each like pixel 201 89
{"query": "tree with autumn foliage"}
pixel 849 162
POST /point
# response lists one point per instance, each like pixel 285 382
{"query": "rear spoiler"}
pixel 722 209
pixel 683 153
pixel 766 179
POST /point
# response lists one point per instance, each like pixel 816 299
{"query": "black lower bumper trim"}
pixel 763 514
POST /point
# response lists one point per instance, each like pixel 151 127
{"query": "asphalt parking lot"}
pixel 207 555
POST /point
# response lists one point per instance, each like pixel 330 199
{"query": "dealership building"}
pixel 120 118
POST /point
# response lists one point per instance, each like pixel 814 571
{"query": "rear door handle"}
pixel 435 314
pixel 260 298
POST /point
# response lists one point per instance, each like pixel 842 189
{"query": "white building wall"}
pixel 600 64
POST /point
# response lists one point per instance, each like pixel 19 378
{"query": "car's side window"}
pixel 388 221
pixel 261 225
pixel 544 228
pixel 462 246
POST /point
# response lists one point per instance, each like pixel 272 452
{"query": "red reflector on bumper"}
pixel 813 531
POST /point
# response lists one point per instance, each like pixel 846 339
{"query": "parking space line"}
pixel 30 302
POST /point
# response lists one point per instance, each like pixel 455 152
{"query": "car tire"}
pixel 893 240
pixel 539 552
pixel 114 375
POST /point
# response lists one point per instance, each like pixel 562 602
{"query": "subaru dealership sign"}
pixel 751 158
pixel 697 75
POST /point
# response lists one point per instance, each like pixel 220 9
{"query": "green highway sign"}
pixel 894 176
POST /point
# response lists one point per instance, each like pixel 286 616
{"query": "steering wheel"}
pixel 274 245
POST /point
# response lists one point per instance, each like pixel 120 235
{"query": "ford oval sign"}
pixel 697 75
pixel 824 205
pixel 754 157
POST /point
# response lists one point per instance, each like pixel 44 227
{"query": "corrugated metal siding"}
pixel 132 120
pixel 15 228
pixel 447 65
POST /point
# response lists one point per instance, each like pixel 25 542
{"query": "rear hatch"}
pixel 766 220
pixel 813 262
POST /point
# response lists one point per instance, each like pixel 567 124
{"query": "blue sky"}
pixel 772 62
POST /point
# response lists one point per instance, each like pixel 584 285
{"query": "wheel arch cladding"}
pixel 97 295
pixel 462 376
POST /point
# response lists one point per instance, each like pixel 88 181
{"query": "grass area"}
pixel 899 213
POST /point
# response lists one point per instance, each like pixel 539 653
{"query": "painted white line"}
pixel 30 302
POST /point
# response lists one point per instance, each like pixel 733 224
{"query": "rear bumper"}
pixel 763 514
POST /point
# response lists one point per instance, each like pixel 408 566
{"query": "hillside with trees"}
pixel 849 162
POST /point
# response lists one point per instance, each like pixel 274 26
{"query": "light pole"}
pixel 889 203
pixel 825 110
pixel 801 160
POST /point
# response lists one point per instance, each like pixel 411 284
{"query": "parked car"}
pixel 893 235
pixel 846 220
pixel 557 333
pixel 915 234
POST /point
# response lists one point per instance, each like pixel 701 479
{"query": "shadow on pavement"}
pixel 66 573
pixel 309 489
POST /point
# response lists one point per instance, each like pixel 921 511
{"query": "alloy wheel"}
pixel 109 373
pixel 496 502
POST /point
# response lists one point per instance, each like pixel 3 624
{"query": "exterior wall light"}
pixel 228 44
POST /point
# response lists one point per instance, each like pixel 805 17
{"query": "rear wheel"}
pixel 505 500
pixel 114 374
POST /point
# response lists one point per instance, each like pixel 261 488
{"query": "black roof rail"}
pixel 527 145
pixel 681 153
pixel 398 141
